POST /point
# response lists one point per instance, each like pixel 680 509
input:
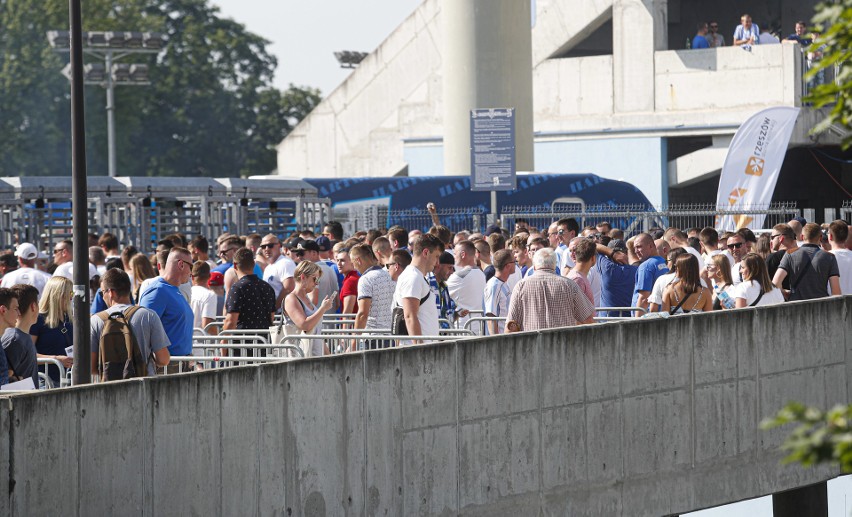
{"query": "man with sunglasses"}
pixel 782 241
pixel 737 247
pixel 163 296
pixel 399 260
pixel 63 255
pixel 714 39
pixel 280 269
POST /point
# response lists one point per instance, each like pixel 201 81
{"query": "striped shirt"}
pixel 546 301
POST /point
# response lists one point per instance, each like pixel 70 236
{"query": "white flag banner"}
pixel 752 167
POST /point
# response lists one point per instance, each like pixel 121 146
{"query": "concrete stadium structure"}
pixel 647 417
pixel 612 95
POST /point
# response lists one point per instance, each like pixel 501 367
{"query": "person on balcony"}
pixel 700 39
pixel 714 39
pixel 747 33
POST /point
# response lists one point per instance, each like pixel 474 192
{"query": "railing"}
pixel 637 218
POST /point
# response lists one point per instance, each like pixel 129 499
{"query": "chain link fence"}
pixel 639 218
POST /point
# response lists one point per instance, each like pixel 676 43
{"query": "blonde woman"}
pixel 52 333
pixel 719 271
pixel 301 312
pixel 141 270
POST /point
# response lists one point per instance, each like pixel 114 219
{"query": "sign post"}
pixel 492 153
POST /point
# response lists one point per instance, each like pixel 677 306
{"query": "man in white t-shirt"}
pixel 63 254
pixel 497 293
pixel 738 249
pixel 467 284
pixel 413 293
pixel 838 236
pixel 202 300
pixel 279 270
pixel 26 273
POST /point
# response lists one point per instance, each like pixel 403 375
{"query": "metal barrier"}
pixel 215 361
pixel 143 210
pixel 471 218
pixel 64 378
pixel 638 218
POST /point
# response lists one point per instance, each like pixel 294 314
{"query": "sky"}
pixel 304 34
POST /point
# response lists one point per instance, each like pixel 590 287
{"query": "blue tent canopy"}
pixel 412 193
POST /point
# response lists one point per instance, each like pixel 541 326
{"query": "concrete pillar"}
pixel 487 64
pixel 811 500
pixel 639 28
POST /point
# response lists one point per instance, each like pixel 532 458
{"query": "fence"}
pixel 635 219
pixel 141 211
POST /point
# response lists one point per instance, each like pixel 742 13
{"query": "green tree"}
pixel 209 107
pixel 836 44
pixel 820 437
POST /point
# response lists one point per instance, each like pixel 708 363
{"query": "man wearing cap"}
pixel 217 285
pixel 63 254
pixel 26 273
pixel 328 281
pixel 327 256
pixel 279 271
pixel 437 279
pixel 618 277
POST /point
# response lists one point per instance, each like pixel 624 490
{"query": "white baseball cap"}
pixel 26 251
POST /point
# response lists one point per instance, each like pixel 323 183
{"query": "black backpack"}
pixel 119 355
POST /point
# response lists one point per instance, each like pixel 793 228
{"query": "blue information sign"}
pixel 492 149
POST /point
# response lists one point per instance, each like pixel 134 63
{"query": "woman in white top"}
pixel 301 312
pixel 686 294
pixel 756 289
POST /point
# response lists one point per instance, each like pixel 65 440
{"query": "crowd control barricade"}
pixel 634 311
pixel 634 219
pixel 64 379
pixel 186 362
pixel 252 343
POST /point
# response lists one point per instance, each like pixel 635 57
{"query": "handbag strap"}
pixel 804 271
pixel 754 303
pixel 672 312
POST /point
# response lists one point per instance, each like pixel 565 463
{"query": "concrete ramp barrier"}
pixel 651 417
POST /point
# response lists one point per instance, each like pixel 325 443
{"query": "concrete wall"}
pixel 640 418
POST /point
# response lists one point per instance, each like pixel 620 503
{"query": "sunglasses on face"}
pixel 735 246
pixel 267 246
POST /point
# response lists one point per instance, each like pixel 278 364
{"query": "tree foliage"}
pixel 820 437
pixel 210 110
pixel 834 20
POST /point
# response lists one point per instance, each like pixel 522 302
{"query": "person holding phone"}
pixel 301 310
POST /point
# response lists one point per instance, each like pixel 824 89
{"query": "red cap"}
pixel 217 279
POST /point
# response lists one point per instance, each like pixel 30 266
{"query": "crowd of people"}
pixel 412 283
pixel 748 34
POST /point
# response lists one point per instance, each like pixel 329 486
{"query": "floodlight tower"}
pixel 109 47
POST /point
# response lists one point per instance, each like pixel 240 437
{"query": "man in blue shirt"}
pixel 617 277
pixel 700 40
pixel 651 268
pixel 164 298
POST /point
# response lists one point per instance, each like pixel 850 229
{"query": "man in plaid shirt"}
pixel 545 300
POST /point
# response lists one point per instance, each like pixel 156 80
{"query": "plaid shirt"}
pixel 544 301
